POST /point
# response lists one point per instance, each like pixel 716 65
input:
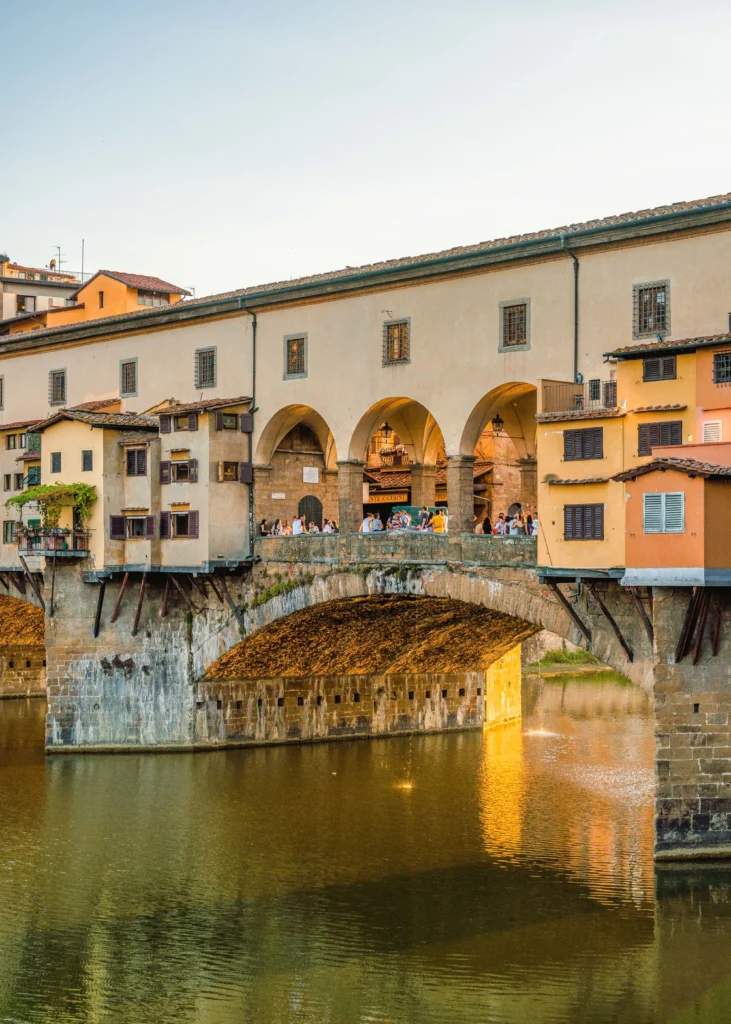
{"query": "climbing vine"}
pixel 51 499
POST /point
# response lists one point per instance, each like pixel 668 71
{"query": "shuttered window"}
pixel 660 368
pixel 583 522
pixel 583 444
pixel 663 512
pixel 650 435
pixel 116 527
pixel 712 431
pixel 57 387
pixel 136 462
pixel 87 461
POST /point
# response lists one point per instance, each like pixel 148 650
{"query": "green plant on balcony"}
pixel 51 500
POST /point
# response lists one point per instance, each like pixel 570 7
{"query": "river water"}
pixel 473 877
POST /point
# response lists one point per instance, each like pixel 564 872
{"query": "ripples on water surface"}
pixel 504 876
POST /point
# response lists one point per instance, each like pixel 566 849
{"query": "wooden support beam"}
pixel 688 622
pixel 19 584
pixel 33 584
pixel 184 596
pixel 52 610
pixel 702 619
pixel 99 604
pixel 4 581
pixel 649 599
pixel 610 619
pixel 571 610
pixel 199 586
pixel 165 597
pixel 637 602
pixel 232 604
pixel 118 604
pixel 143 584
pixel 215 589
pixel 718 618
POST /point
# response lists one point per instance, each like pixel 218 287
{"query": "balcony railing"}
pixel 594 395
pixel 37 541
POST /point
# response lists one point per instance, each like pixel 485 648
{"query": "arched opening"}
pixel 404 461
pixel 500 434
pixel 296 470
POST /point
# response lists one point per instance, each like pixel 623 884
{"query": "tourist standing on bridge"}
pixel 439 522
pixel 423 517
pixel 297 526
pixel 365 526
pixel 377 524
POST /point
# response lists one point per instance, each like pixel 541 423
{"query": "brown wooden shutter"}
pixel 165 524
pixel 150 530
pixel 246 473
pixel 654 435
pixel 192 421
pixel 643 439
pixel 597 443
pixel 651 369
pixel 166 424
pixel 219 421
pixel 116 527
pixel 193 524
pixel 668 369
pixel 142 462
pixel 193 471
pixel 568 522
pixel 676 432
pixel 131 462
pixel 598 525
pixel 569 446
pixel 246 423
pixel 164 472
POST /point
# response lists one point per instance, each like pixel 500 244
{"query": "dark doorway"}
pixel 311 508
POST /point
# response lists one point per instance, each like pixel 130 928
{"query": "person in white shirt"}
pixel 365 526
pixel 534 526
pixel 327 528
pixel 297 526
pixel 314 528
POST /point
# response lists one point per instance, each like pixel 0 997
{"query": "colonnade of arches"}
pixel 396 454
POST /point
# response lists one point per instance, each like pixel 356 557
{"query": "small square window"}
pixel 57 387
pixel 18 481
pixel 34 476
pixel 7 481
pixel 128 378
pixel 205 368
pixel 22 440
pixel 230 421
pixel 396 341
pixel 230 471
pixel 136 462
pixel 722 368
pixel 9 531
pixel 295 355
pixel 136 526
pixel 11 441
pixel 87 462
pixel 180 472
pixel 55 462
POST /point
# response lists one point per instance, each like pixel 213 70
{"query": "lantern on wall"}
pixel 497 423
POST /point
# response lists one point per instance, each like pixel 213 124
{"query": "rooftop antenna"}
pixel 60 258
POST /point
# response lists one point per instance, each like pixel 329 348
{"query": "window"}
pixel 136 462
pixel 179 524
pixel 11 441
pixel 583 444
pixel 663 512
pixel 7 481
pixel 712 431
pixel 583 522
pixel 101 300
pixel 22 440
pixel 660 368
pixel 595 390
pixel 18 482
pixel 25 303
pixel 8 531
pixel 396 341
pixel 34 476
pixel 87 462
pixel 184 421
pixel 295 355
pixel 205 368
pixel 229 471
pixel 229 421
pixel 55 462
pixel 651 313
pixel 136 526
pixel 185 471
pixel 2 392
pixel 128 378
pixel 57 387
pixel 514 324
pixel 722 368
pixel 650 435
pixel 145 298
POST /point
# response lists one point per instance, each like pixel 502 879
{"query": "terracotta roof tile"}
pixel 586 480
pixel 659 408
pixel 668 345
pixel 100 403
pixel 29 457
pixel 119 420
pixel 139 439
pixel 209 403
pixel 18 423
pixel 143 281
pixel 587 414
pixel 691 466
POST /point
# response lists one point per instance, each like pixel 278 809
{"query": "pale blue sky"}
pixel 227 144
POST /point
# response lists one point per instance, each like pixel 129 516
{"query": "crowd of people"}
pixel 517 524
pixel 506 525
pixel 426 521
pixel 299 525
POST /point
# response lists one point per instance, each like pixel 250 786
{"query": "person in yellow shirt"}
pixel 438 522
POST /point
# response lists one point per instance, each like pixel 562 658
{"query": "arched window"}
pixel 311 508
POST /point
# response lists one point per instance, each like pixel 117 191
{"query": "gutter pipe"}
pixel 253 410
pixel 576 307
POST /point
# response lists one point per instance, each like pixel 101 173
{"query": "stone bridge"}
pixel 222 660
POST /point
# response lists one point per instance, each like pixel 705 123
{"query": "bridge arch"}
pixel 283 421
pixel 412 421
pixel 516 404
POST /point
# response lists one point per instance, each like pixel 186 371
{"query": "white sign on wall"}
pixel 310 475
pixel 366 493
pixel 279 496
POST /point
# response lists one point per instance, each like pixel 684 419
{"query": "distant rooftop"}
pixel 141 281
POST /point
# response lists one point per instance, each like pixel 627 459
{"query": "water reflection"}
pixel 498 876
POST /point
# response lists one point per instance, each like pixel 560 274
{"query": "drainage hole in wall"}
pixel 199 704
pixel 356 698
pixel 280 702
pixel 337 698
pixel 27 664
pixel 444 694
pixel 696 708
pixel 461 691
pixel 300 701
pixel 260 702
pixel 96 707
pixel 11 664
pixel 239 705
pixel 219 704
pixel 479 691
pixel 319 700
pixel 428 694
pixel 411 694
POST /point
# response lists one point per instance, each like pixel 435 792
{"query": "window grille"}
pixel 595 390
pixel 722 368
pixel 396 342
pixel 663 512
pixel 712 431
pixel 57 387
pixel 583 522
pixel 128 378
pixel 2 392
pixel 651 312
pixel 55 462
pixel 660 368
pixel 205 368
pixel 650 435
pixel 515 324
pixel 295 356
pixel 579 445
pixel 87 461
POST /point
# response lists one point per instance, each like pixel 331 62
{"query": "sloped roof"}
pixel 100 403
pixel 667 345
pixel 38 313
pixel 584 414
pixel 690 466
pixel 143 281
pixel 17 424
pixel 139 439
pixel 202 406
pixel 117 420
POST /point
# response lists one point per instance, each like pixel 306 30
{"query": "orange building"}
pixel 107 293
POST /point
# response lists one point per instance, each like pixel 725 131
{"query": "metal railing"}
pixel 36 540
pixel 593 395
